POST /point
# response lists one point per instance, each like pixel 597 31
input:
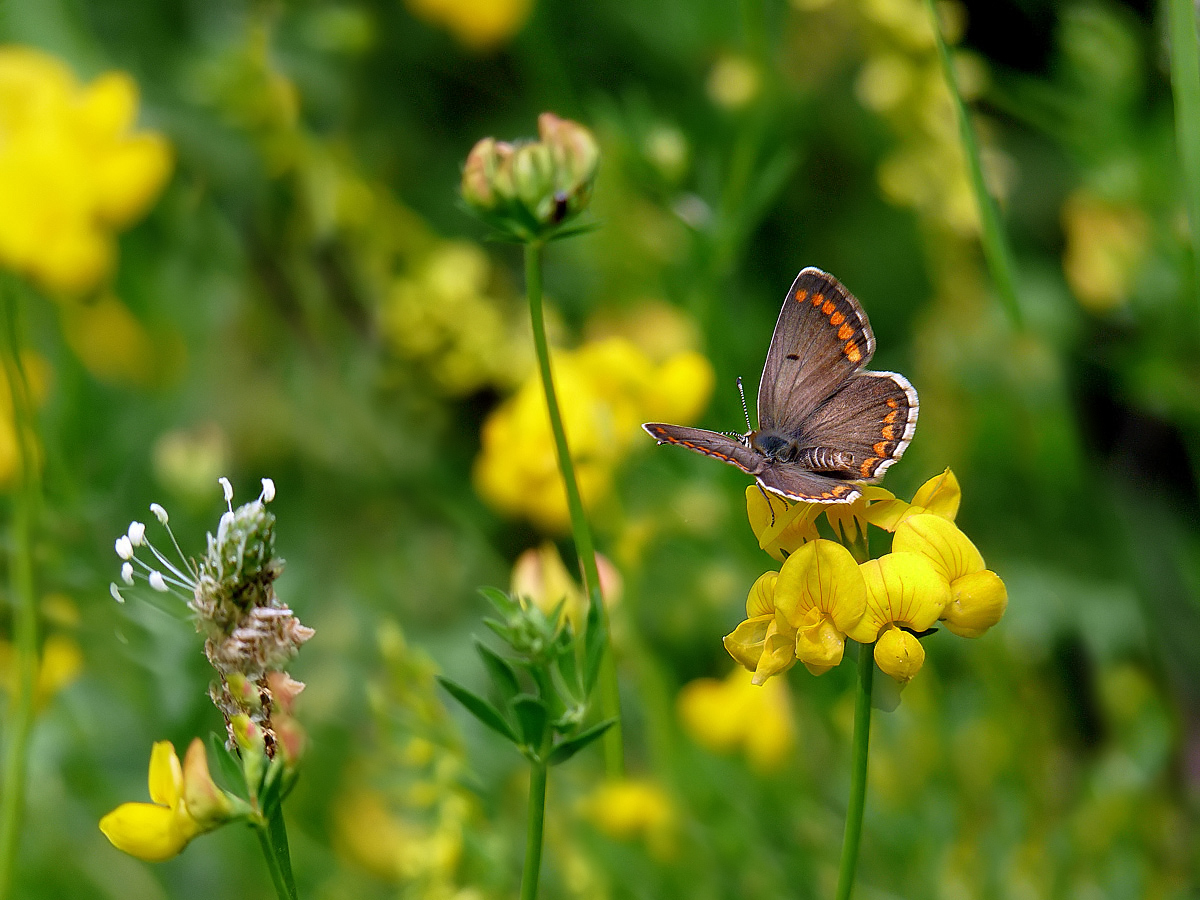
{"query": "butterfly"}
pixel 825 423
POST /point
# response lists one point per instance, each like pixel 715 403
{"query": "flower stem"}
pixel 1185 84
pixel 272 836
pixel 858 775
pixel 614 762
pixel 995 244
pixel 534 828
pixel 22 592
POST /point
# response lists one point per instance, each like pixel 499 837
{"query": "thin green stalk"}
pixel 272 837
pixel 614 762
pixel 1185 84
pixel 858 774
pixel 535 826
pixel 22 596
pixel 995 244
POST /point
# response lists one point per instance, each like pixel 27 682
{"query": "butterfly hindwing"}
pixel 872 416
pixel 710 443
pixel 809 487
pixel 822 337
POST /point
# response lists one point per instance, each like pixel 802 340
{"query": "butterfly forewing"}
pixel 872 416
pixel 710 443
pixel 822 337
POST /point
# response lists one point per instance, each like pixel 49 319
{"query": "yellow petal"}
pixel 761 599
pixel 781 527
pixel 976 604
pixel 902 588
pixel 899 654
pixel 940 495
pixel 942 542
pixel 779 654
pixel 166 774
pixel 745 643
pixel 820 645
pixel 147 831
pixel 821 575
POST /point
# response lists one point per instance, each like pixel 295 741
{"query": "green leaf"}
pixel 503 603
pixel 479 708
pixel 530 713
pixel 229 767
pixel 568 669
pixel 503 631
pixel 568 748
pixel 502 673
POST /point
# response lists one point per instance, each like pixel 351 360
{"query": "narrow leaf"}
pixel 569 748
pixel 502 673
pixel 530 713
pixel 499 599
pixel 479 708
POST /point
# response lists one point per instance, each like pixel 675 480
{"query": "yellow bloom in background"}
pixel 59 665
pixel 37 373
pixel 606 389
pixel 114 346
pixel 72 169
pixel 186 803
pixel 1105 245
pixel 634 809
pixel 978 597
pixel 478 24
pixel 903 589
pixel 734 714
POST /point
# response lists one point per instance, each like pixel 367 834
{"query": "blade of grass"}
pixel 1185 84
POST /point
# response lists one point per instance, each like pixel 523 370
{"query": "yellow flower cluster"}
pixel 735 714
pixel 821 595
pixel 444 316
pixel 634 809
pixel 186 803
pixel 606 389
pixel 478 24
pixel 72 169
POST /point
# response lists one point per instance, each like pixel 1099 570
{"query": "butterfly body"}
pixel 826 423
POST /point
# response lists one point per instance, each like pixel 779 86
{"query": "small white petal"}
pixel 157 582
pixel 159 513
pixel 124 547
pixel 268 493
pixel 116 593
pixel 223 526
pixel 137 533
pixel 227 488
pixel 127 573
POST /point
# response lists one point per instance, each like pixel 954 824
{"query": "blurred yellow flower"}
pixel 72 169
pixel 733 82
pixel 114 345
pixel 735 714
pixel 478 24
pixel 186 803
pixel 606 389
pixel 189 461
pixel 60 663
pixel 1106 243
pixel 37 373
pixel 634 809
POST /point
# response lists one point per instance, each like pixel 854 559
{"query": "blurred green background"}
pixel 307 300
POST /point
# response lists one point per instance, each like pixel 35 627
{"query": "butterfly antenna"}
pixel 745 408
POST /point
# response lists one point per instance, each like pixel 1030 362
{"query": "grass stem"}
pixel 858 774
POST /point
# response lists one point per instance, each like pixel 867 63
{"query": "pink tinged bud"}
pixel 574 151
pixel 290 740
pixel 479 171
pixel 124 547
pixel 243 691
pixel 284 690
pixel 247 735
pixel 206 803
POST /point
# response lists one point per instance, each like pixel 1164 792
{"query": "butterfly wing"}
pixel 821 339
pixel 872 416
pixel 710 443
pixel 796 483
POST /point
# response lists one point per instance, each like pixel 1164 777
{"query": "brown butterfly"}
pixel 825 424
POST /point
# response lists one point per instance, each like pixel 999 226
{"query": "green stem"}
pixel 858 775
pixel 995 244
pixel 1185 84
pixel 23 596
pixel 535 826
pixel 609 698
pixel 272 837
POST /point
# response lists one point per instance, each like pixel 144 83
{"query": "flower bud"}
pixel 575 154
pixel 534 180
pixel 899 654
pixel 479 173
pixel 206 803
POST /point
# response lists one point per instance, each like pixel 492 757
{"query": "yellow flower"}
pixel 606 389
pixel 1105 246
pixel 631 809
pixel 940 495
pixel 903 589
pixel 478 24
pixel 782 526
pixel 72 170
pixel 114 346
pixel 186 803
pixel 821 594
pixel 60 664
pixel 978 597
pixel 735 714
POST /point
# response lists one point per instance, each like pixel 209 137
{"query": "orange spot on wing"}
pixel 837 319
pixel 844 332
pixel 825 495
pixel 868 467
pixel 818 299
pixel 829 307
pixel 852 352
pixel 887 432
pixel 688 444
pixel 800 295
pixel 881 449
pixel 889 418
pixel 892 403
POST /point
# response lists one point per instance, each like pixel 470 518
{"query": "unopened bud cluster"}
pixel 250 634
pixel 529 189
